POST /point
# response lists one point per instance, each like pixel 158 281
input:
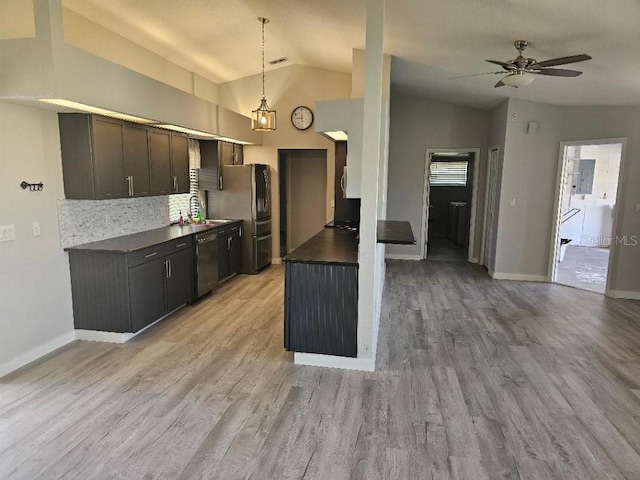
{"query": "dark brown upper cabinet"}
pixel 214 155
pixel 92 157
pixel 162 182
pixel 135 146
pixel 238 154
pixel 180 163
pixel 105 158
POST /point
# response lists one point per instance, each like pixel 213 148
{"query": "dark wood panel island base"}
pixel 321 295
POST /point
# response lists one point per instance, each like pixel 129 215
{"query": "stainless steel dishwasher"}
pixel 206 262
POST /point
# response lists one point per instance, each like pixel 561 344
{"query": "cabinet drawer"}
pixel 177 245
pixel 145 255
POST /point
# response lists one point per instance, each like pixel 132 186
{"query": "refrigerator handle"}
pixel 267 194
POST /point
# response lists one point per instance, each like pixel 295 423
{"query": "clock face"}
pixel 302 117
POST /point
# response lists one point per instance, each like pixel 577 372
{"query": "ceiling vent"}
pixel 278 60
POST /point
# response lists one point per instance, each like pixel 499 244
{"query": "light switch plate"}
pixel 512 202
pixel 637 207
pixel 36 229
pixel 7 233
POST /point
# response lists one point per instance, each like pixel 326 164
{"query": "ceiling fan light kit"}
pixel 518 79
pixel 263 119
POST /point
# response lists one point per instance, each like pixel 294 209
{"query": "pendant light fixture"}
pixel 263 119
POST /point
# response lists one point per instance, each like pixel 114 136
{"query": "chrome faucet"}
pixel 190 212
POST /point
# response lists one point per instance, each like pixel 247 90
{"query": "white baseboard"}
pixel 107 337
pixel 474 260
pixel 402 256
pixel 332 361
pixel 623 294
pixel 519 277
pixel 37 352
pixel 115 337
pixel 276 261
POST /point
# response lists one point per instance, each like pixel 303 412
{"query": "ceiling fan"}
pixel 521 71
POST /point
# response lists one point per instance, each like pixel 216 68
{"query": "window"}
pixel 180 203
pixel 448 174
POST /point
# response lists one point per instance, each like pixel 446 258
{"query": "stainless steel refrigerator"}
pixel 247 196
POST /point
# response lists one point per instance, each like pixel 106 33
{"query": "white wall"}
pixel 287 88
pixel 35 289
pixel 530 169
pixel 528 178
pixel 593 225
pixel 417 124
pixel 87 35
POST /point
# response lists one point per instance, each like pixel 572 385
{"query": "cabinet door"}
pixel 235 253
pixel 160 162
pixel 179 279
pixel 238 154
pixel 146 290
pixel 108 164
pixel 135 140
pixel 180 162
pixel 223 258
pixel 225 157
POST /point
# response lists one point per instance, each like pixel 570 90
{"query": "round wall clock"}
pixel 302 117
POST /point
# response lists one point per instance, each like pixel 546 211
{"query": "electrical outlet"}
pixel 512 202
pixel 7 233
pixel 36 229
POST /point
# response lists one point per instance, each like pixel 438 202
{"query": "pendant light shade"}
pixel 263 119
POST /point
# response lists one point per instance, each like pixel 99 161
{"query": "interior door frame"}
pixel 474 199
pixel 483 243
pixel 554 241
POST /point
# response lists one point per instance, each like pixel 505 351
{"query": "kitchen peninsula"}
pixel 321 290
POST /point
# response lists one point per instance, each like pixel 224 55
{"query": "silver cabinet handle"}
pixel 180 245
pixel 220 182
pixel 151 255
pixel 342 184
pixel 166 268
pixel 132 188
pixel 175 183
pixel 129 180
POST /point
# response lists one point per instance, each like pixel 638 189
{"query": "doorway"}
pixel 303 196
pixel 449 204
pixel 584 228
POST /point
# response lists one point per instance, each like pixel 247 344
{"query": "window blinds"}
pixel 452 174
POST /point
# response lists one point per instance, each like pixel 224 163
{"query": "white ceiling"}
pixel 431 41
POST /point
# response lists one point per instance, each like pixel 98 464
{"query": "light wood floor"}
pixel 477 379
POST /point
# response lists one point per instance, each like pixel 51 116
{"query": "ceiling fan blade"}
pixel 558 72
pixel 499 84
pixel 563 60
pixel 506 66
pixel 476 75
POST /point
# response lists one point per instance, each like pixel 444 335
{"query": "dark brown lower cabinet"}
pixel 229 253
pixel 125 292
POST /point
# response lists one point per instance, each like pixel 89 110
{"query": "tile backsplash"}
pixel 85 221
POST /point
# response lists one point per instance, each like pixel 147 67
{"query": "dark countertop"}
pixel 138 241
pixel 398 232
pixel 330 246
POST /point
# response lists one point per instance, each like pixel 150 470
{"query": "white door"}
pixel 492 181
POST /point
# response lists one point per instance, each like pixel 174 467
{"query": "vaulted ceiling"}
pixel 431 42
